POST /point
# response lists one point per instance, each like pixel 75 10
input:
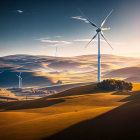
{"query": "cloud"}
pixel 73 42
pixel 87 40
pixel 20 11
pixel 58 36
pixel 80 18
pixel 55 42
pixel 48 38
pixel 82 40
pixel 43 38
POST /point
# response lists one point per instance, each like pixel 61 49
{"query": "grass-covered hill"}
pixel 79 113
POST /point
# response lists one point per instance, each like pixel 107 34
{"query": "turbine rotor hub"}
pixel 99 30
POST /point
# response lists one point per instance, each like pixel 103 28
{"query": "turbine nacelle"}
pixel 98 30
pixel 102 29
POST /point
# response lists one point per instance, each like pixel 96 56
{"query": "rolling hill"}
pixel 79 112
pixel 131 74
pixel 47 70
pixel 8 78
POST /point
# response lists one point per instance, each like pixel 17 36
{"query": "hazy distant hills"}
pixel 9 79
pixel 131 74
pixel 47 70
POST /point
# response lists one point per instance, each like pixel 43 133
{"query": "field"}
pixel 80 113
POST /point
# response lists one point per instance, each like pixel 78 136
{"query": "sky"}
pixel 37 27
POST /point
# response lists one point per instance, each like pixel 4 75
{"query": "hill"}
pixel 80 112
pixel 119 123
pixel 87 89
pixel 31 93
pixel 131 74
pixel 47 70
pixel 8 78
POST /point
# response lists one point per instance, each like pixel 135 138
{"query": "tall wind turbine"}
pixel 99 32
pixel 20 80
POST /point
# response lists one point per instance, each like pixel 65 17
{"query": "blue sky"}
pixel 37 26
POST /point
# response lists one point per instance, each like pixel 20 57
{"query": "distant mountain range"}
pixel 47 70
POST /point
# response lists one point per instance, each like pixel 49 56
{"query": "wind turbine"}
pixel 20 80
pixel 56 52
pixel 99 32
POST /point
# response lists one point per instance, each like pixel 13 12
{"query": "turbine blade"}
pixel 93 24
pixel 106 40
pixel 102 24
pixel 105 29
pixel 91 40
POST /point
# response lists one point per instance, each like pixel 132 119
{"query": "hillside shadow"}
pixel 81 90
pixel 121 123
pixel 31 104
pixel 49 100
pixel 8 78
pixel 122 93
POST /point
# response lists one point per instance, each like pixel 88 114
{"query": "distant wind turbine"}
pixel 56 52
pixel 99 31
pixel 20 80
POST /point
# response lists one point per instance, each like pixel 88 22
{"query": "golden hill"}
pixel 66 114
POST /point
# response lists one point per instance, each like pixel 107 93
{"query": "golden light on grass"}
pixel 33 121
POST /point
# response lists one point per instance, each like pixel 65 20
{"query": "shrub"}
pixel 112 84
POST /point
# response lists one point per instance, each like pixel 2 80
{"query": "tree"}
pixel 112 84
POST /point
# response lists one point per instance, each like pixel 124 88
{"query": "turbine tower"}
pixel 20 80
pixel 56 52
pixel 99 32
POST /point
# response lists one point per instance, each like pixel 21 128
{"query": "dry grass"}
pixel 44 117
pixel 136 86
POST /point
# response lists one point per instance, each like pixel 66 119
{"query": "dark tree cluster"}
pixel 112 84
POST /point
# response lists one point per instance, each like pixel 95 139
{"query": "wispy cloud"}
pixel 55 42
pixel 82 40
pixel 43 38
pixel 87 40
pixel 20 11
pixel 80 18
pixel 48 38
pixel 58 36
